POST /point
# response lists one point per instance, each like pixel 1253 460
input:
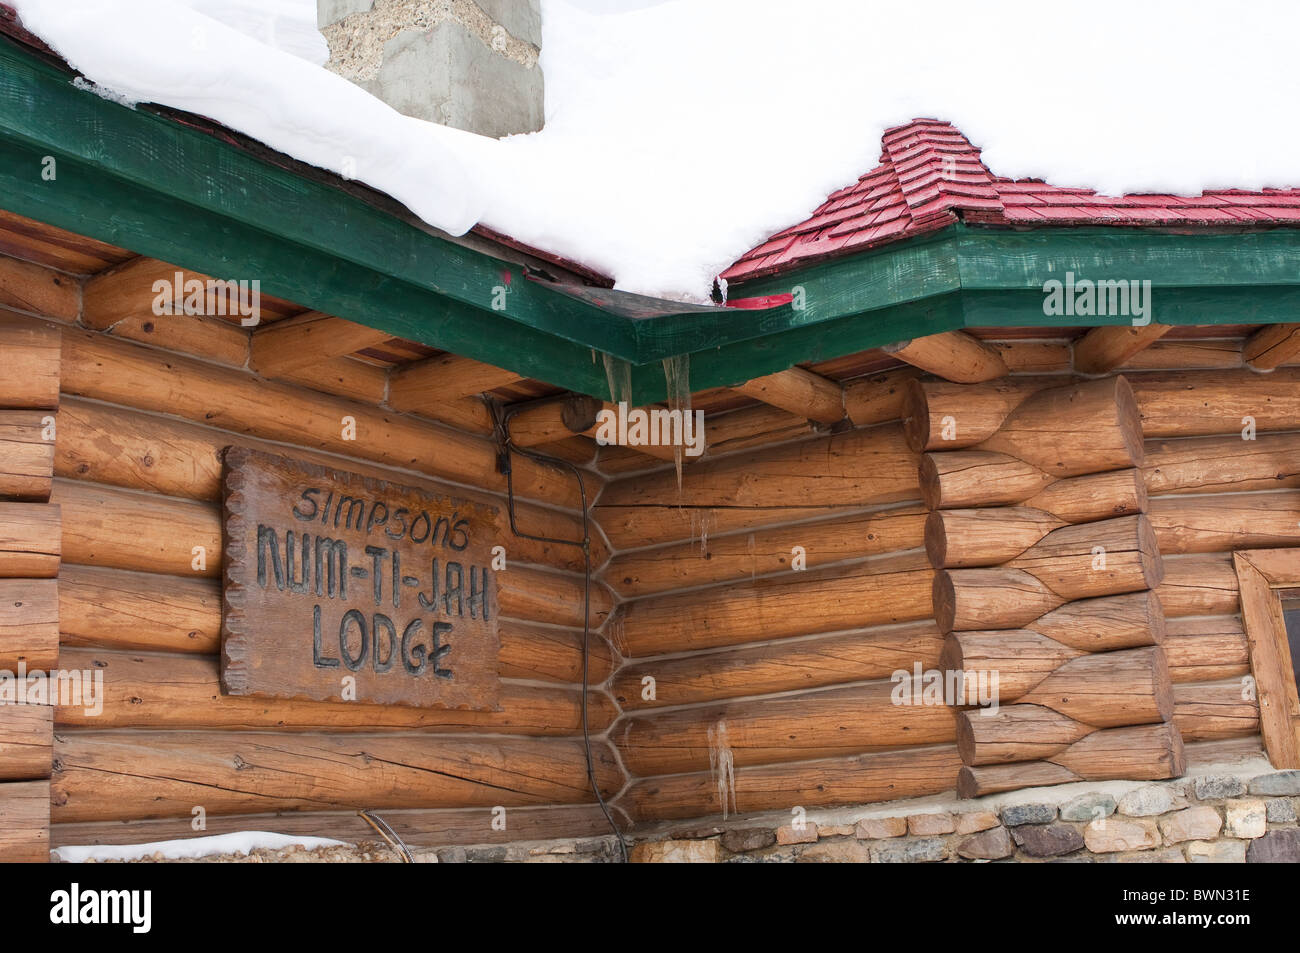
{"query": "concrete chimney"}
pixel 471 64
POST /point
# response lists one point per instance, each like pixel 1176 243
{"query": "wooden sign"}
pixel 339 587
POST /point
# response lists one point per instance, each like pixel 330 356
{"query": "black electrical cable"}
pixel 501 422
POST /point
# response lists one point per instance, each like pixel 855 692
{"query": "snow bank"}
pixel 288 25
pixel 680 135
pixel 242 842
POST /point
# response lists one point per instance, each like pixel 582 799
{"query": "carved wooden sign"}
pixel 340 587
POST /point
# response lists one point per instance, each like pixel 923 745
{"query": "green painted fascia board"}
pixel 990 258
pixel 214 181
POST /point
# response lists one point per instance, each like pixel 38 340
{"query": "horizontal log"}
pixel 1074 562
pixel 417 828
pixel 1272 346
pixel 25 822
pixel 30 540
pixel 126 448
pixel 1023 657
pixel 971 599
pixel 790 665
pixel 1013 733
pixel 939 415
pixel 862 779
pixel 799 391
pixel 120 373
pixel 878 398
pixel 1105 624
pixel 1019 659
pixel 1213 711
pixel 850 469
pixel 28 287
pixel 1145 753
pixel 1109 689
pixel 549 420
pixel 1095 559
pixel 1226 521
pixel 26 743
pixel 147 612
pixel 1080 428
pixel 29 623
pixel 1217 464
pixel 984 537
pixel 106 526
pixel 1029 356
pixel 818 724
pixel 26 455
pixel 103 776
pixel 1101 689
pixel 978 478
pixel 754 426
pixel 415 386
pixel 346 377
pixel 1207 649
pixel 765 551
pixel 1199 585
pixel 32 362
pixel 1184 354
pixel 532 595
pixel 952 355
pixel 1105 348
pixel 184 692
pixel 1207 403
pixel 638 527
pixel 108 609
pixel 880 591
pixel 304 340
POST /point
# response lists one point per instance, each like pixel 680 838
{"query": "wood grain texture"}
pixel 32 354
pixel 103 776
pixel 29 623
pixel 25 822
pixel 30 540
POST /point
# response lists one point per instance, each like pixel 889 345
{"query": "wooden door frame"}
pixel 1259 573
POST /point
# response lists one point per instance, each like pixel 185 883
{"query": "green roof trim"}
pixel 144 181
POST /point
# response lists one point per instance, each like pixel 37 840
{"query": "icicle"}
pixel 677 379
pixel 619 376
pixel 722 765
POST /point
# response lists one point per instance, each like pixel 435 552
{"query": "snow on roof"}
pixel 930 176
pixel 679 135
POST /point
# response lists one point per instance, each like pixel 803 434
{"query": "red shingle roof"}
pixel 930 176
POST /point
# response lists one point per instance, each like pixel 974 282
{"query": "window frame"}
pixel 1260 573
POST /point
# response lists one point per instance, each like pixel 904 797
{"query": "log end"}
pixel 936 539
pixel 966 738
pixel 931 485
pixel 952 657
pixel 579 412
pixel 1177 753
pixel 1162 688
pixel 1153 565
pixel 944 594
pixel 1129 419
pixel 916 416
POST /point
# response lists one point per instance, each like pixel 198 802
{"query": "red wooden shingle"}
pixel 930 176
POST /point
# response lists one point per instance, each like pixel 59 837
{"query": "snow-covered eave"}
pixel 205 198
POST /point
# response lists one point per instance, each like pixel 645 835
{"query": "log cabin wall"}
pixel 750 686
pixel 145 406
pixel 751 683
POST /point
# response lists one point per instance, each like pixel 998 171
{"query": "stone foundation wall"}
pixel 1207 819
